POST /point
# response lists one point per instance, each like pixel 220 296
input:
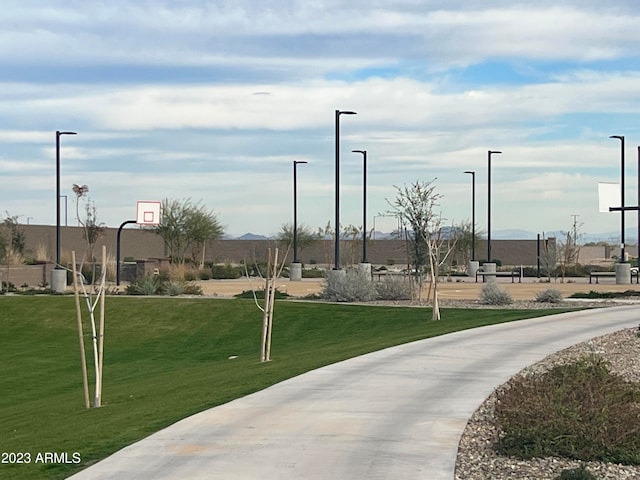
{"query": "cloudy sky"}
pixel 214 100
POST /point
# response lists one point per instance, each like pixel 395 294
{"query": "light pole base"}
pixel 58 280
pixel 623 273
pixel 474 265
pixel 489 268
pixel 295 272
pixel 365 268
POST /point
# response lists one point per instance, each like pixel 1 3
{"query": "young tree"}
pixel 185 225
pixel 305 237
pixel 12 244
pixel 430 246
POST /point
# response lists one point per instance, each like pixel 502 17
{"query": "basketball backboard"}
pixel 148 213
pixel 608 196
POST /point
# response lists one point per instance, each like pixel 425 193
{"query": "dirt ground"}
pixel 465 289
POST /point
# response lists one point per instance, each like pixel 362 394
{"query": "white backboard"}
pixel 148 213
pixel 608 196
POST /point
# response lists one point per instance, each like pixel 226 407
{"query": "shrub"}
pixel 147 285
pixel 204 274
pixel 173 288
pixel 579 411
pixel 226 271
pixel 492 294
pixel 191 289
pixel 348 286
pixel 393 288
pixel 259 294
pixel 312 273
pixel 550 295
pixel 576 474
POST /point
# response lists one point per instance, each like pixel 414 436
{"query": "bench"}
pixel 513 274
pixel 596 275
pixel 382 274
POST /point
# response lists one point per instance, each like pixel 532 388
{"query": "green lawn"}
pixel 167 358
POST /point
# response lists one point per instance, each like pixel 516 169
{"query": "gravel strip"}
pixel 477 461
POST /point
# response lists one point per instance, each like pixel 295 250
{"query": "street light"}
pixel 621 138
pixel 489 153
pixel 295 209
pixel 473 213
pixel 336 260
pixel 364 204
pixel 58 134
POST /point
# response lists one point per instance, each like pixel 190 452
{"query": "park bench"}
pixel 597 275
pixel 516 272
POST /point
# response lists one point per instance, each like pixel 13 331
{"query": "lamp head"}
pixel 65 133
pixel 363 152
pixel 491 152
pixel 619 137
pixel 469 171
pixel 346 112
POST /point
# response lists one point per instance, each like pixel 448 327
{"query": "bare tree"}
pixel 430 245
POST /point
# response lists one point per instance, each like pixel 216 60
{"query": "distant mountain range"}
pixel 631 235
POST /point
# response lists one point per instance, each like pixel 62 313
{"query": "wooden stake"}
pixel 101 329
pixel 83 357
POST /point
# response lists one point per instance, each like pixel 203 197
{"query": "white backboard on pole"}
pixel 608 196
pixel 148 213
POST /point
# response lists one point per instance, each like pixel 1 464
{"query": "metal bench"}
pixel 513 274
pixel 597 275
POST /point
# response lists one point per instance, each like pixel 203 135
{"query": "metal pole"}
pixel 336 255
pixel 638 232
pixel 364 204
pixel 295 209
pixel 621 138
pixel 58 134
pixel 489 153
pixel 118 250
pixel 473 214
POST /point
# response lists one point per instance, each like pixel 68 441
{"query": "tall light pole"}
pixel 621 138
pixel 295 209
pixel 336 261
pixel 473 213
pixel 364 204
pixel 58 135
pixel 489 153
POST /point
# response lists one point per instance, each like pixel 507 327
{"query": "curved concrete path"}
pixel 397 413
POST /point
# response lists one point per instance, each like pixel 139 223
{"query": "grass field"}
pixel 167 358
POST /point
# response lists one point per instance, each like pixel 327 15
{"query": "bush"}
pixel 226 271
pixel 312 273
pixel 393 288
pixel 550 295
pixel 576 474
pixel 147 285
pixel 259 294
pixel 191 289
pixel 204 274
pixel 492 294
pixel 579 411
pixel 349 286
pixel 173 288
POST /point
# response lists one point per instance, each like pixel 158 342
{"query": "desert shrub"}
pixel 260 294
pixel 580 473
pixel 204 274
pixel 550 295
pixel 312 273
pixel 226 271
pixel 393 288
pixel 147 285
pixel 492 294
pixel 349 286
pixel 172 288
pixel 190 275
pixel 579 411
pixel 191 289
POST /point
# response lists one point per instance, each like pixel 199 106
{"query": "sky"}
pixel 213 101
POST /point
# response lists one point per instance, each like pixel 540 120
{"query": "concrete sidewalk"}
pixel 394 414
